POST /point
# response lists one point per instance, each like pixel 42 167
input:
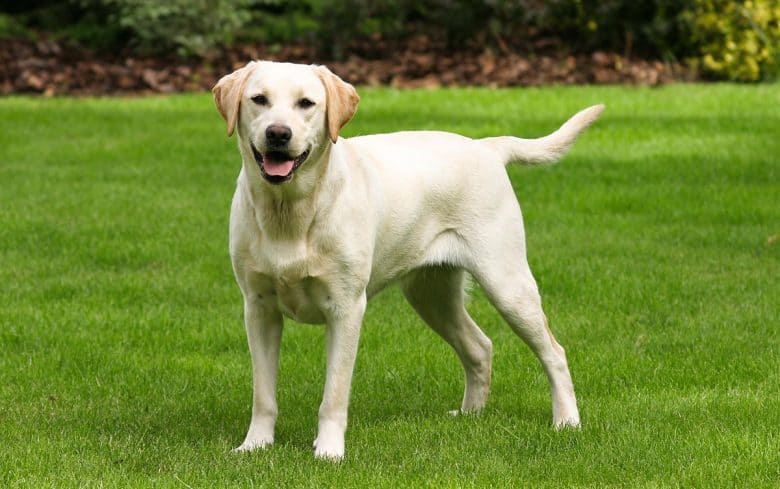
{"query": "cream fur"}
pixel 420 209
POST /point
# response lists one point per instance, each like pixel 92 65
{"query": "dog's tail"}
pixel 548 149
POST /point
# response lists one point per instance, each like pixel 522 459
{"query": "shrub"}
pixel 11 28
pixel 646 28
pixel 188 27
pixel 731 39
pixel 649 27
pixel 737 40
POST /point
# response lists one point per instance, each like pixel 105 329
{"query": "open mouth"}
pixel 278 166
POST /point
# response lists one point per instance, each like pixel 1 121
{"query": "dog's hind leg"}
pixel 437 294
pixel 511 288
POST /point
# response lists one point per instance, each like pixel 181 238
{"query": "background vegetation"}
pixel 731 39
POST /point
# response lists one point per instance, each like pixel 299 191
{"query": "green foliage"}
pixel 83 21
pixel 737 40
pixel 11 28
pixel 731 39
pixel 334 24
pixel 340 22
pixel 188 27
pixel 278 21
pixel 649 27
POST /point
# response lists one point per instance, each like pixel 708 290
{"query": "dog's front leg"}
pixel 264 332
pixel 342 335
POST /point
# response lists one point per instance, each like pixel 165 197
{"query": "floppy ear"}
pixel 342 101
pixel 227 95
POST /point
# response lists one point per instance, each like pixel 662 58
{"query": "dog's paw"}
pixel 465 412
pixel 567 423
pixel 329 444
pixel 332 451
pixel 250 445
pixel 260 435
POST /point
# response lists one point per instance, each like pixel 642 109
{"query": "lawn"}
pixel 655 244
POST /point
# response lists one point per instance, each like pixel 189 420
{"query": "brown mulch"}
pixel 50 67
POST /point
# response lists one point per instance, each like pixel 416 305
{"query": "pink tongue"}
pixel 277 168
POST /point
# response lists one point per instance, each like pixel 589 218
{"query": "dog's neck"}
pixel 289 209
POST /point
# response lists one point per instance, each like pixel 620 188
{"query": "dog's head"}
pixel 285 113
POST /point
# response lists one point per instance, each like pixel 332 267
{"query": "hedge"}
pixel 724 39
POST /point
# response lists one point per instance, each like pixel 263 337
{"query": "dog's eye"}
pixel 305 103
pixel 260 99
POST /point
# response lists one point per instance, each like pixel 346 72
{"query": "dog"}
pixel 319 224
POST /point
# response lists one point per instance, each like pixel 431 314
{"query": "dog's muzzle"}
pixel 277 166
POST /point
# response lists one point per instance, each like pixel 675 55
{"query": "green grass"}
pixel 122 353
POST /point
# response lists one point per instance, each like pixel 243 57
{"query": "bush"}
pixel 647 28
pixel 732 39
pixel 331 24
pixel 11 28
pixel 188 27
pixel 737 40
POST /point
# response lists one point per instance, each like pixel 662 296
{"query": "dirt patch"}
pixel 49 67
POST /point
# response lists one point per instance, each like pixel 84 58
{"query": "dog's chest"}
pixel 292 273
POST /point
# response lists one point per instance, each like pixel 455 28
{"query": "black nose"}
pixel 278 135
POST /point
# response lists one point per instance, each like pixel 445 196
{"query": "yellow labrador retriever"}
pixel 319 224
